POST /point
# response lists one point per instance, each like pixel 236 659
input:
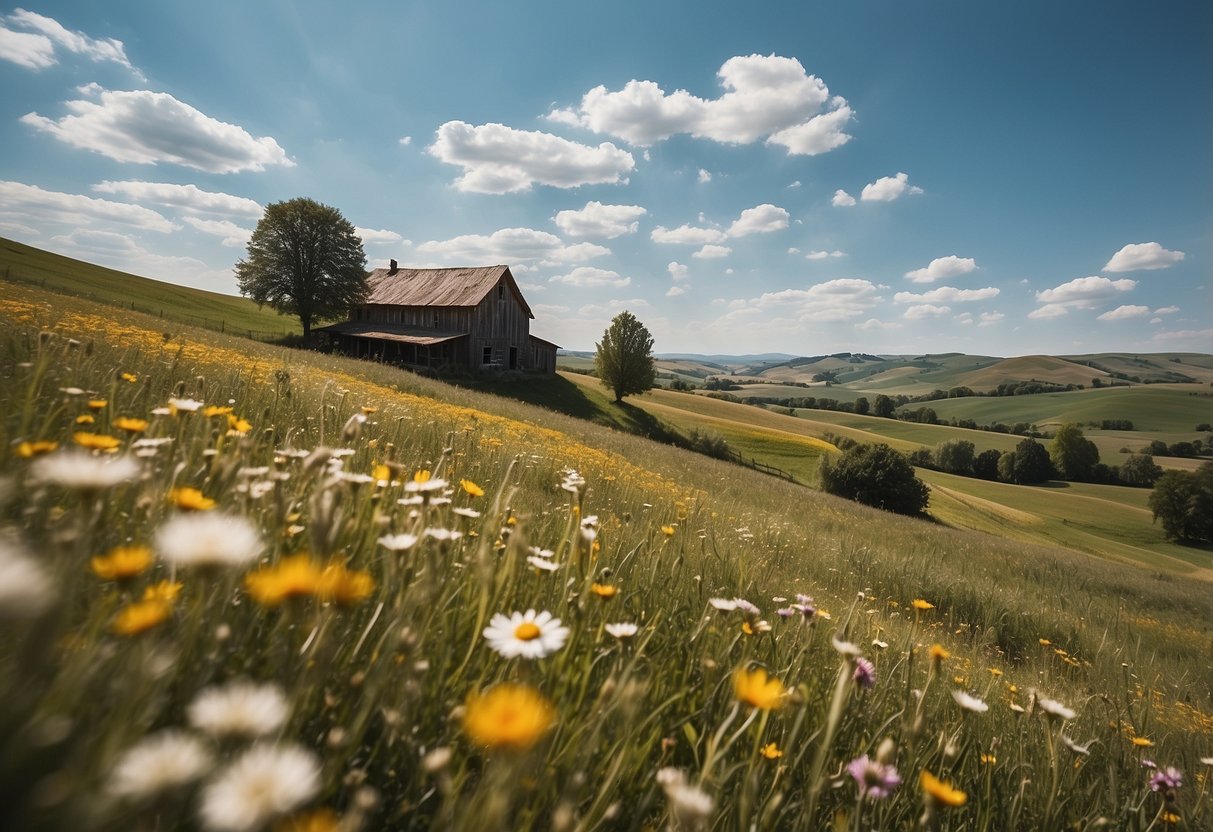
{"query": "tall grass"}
pixel 430 503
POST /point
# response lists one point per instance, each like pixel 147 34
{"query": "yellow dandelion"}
pixel 1142 742
pixel 130 424
pixel 28 450
pixel 141 616
pixel 237 425
pixel 988 759
pixel 771 751
pixel 291 577
pixel 995 672
pixel 1169 817
pixel 668 531
pixel 121 563
pixel 319 820
pixel 167 591
pixel 422 475
pixel 757 689
pixel 508 716
pixel 96 441
pixel 129 377
pixel 382 474
pixel 97 404
pixel 920 604
pixel 85 419
pixel 1044 642
pixel 344 586
pixel 471 488
pixel 939 654
pixel 938 791
pixel 604 591
pixel 216 410
pixel 190 499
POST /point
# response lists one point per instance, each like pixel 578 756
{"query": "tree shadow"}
pixel 552 392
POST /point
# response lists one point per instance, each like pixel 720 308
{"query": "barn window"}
pixel 501 292
pixel 487 356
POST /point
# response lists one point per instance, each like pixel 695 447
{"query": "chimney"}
pixel 393 268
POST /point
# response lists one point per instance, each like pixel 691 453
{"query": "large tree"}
pixel 304 259
pixel 876 475
pixel 624 360
pixel 1183 502
pixel 1072 454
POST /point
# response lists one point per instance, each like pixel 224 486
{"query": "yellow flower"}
pixel 1044 642
pixel 131 377
pixel 988 759
pixel 319 820
pixel 920 604
pixel 130 424
pixel 237 425
pixel 216 410
pixel 345 586
pixel 27 450
pixel 122 563
pixel 97 404
pixel 756 689
pixel 508 716
pixel 471 488
pixel 604 591
pixel 939 791
pixel 1142 742
pixel 422 476
pixel 1169 817
pixel 190 499
pixel 668 531
pixel 995 672
pixel 771 751
pixel 167 591
pixel 141 616
pixel 939 654
pixel 291 577
pixel 96 441
pixel 85 419
pixel 382 474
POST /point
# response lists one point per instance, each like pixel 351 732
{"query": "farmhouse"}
pixel 474 318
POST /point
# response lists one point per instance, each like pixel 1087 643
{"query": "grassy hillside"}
pixel 20 263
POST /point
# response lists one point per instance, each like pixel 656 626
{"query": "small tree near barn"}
pixel 624 359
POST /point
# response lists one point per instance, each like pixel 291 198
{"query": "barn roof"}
pixel 439 287
pixel 419 335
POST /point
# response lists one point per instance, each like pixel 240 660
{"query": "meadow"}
pixel 244 587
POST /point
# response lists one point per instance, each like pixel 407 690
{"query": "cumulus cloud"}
pixel 184 197
pixel 1124 313
pixel 230 234
pixel 1141 256
pixel 947 294
pixel 21 201
pixel 677 270
pixel 148 128
pixel 942 268
pixel 35 45
pixel 842 199
pixel 675 291
pixel 712 252
pixel 795 184
pixel 833 300
pixel 598 220
pixel 704 176
pixel 375 236
pixel 1166 310
pixel 121 252
pixel 510 245
pixel 1199 338
pixel 767 96
pixel 988 318
pixel 686 235
pixel 761 219
pixel 876 325
pixel 1085 292
pixel 888 188
pixel 584 277
pixel 822 255
pixel 406 140
pixel 497 159
pixel 1048 311
pixel 925 310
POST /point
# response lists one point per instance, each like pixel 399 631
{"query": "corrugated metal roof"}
pixel 392 332
pixel 439 287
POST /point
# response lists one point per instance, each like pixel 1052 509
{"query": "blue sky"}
pixel 886 177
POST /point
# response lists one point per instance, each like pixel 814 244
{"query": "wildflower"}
pixel 130 424
pixel 159 763
pixel 129 377
pixel 1053 709
pixel 85 419
pixel 471 489
pixel 216 410
pixel 875 779
pixel 939 654
pixel 398 542
pixel 920 604
pixel 25 588
pixel 469 513
pixel 29 450
pixel 723 604
pixel 995 672
pixel 183 405
pixel 690 805
pixel 424 486
pixel 239 709
pixel 1166 779
pixel 1169 817
pixel 84 472
pixel 846 648
pixel 751 627
pixel 621 631
pixel 141 616
pixel 988 759
pixel 97 404
pixel 344 586
pixel 167 591
pixel 208 540
pixel 443 535
pixel 1142 742
pixel 266 782
pixel 121 563
pixel 969 703
pixel 237 425
pixel 604 591
pixel 756 689
pixel 96 441
pixel 668 531
pixel 190 499
pixel 938 791
pixel 865 673
pixel 291 577
pixel 1083 750
pixel 529 635
pixel 508 716
pixel 880 645
pixel 542 563
pixel 771 751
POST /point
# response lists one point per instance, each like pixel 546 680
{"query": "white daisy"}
pixel 160 762
pixel 469 513
pixel 185 405
pixel 426 487
pixel 83 471
pixel 969 703
pixel 208 539
pixel 239 708
pixel 1054 709
pixel 543 563
pixel 529 635
pixel 266 782
pixel 398 542
pixel 689 805
pixel 25 588
pixel 621 631
pixel 443 535
pixel 723 604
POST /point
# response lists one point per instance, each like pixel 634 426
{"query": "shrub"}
pixel 875 475
pixel 1183 502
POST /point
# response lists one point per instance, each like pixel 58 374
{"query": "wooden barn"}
pixel 474 318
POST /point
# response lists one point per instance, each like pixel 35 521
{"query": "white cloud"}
pixel 942 268
pixel 677 270
pixel 35 49
pixel 121 252
pixel 793 250
pixel 185 197
pixel 584 277
pixel 834 300
pixel 712 252
pixel 1085 292
pixel 147 128
pixel 1166 310
pixel 842 199
pixel 704 176
pixel 374 236
pixel 598 220
pixel 767 96
pixel 675 291
pixel 1051 310
pixel 876 325
pixel 988 318
pixel 687 235
pixel 965 318
pixel 795 184
pixel 1156 320
pixel 761 219
pixel 947 294
pixel 509 245
pixel 547 309
pixel 1122 313
pixel 888 188
pixel 231 235
pixel 822 255
pixel 497 159
pixel 22 202
pixel 1141 256
pixel 925 310
pixel 406 140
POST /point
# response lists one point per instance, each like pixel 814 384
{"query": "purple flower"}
pixel 875 780
pixel 865 673
pixel 1166 779
pixel 785 612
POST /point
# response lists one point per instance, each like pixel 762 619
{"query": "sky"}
pixel 799 177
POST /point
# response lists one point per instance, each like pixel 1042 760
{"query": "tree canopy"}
pixel 624 359
pixel 304 259
pixel 875 475
pixel 1183 502
pixel 1072 454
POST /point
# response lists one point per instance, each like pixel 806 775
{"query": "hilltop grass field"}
pixel 459 611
